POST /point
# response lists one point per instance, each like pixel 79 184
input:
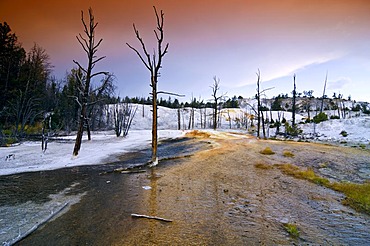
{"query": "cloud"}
pixel 339 83
pixel 275 68
pixel 290 69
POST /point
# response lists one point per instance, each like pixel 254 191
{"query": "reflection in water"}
pixel 101 217
pixel 153 204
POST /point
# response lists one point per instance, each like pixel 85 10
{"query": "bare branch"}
pixel 101 58
pixel 97 45
pixel 142 45
pixel 76 99
pixel 139 55
pixel 156 35
pixel 84 24
pixel 165 49
pixel 170 93
pixel 263 91
pixel 101 88
pixel 80 86
pixel 159 20
pixel 79 66
pixel 250 105
pixel 98 73
pixel 84 46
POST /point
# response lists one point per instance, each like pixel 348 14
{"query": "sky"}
pixel 229 39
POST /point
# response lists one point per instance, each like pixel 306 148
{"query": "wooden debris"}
pixel 133 171
pixel 118 170
pixel 123 171
pixel 150 217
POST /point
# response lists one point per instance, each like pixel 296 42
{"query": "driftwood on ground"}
pixel 133 171
pixel 123 171
pixel 150 217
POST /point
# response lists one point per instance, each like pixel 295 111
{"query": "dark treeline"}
pixel 31 96
pixel 175 103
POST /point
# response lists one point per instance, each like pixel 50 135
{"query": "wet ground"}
pixel 215 197
pixel 27 199
pixel 220 198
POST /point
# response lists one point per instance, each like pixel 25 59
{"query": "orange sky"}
pixel 228 38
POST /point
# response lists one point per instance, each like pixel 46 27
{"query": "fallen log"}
pixel 150 217
pixel 123 171
pixel 133 171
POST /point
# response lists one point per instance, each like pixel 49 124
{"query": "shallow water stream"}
pixel 29 199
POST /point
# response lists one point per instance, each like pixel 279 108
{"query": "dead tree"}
pixel 191 113
pixel 46 123
pixel 323 94
pixel 338 104
pixel 258 96
pixel 153 63
pixel 118 117
pixel 123 114
pixel 341 106
pixel 215 88
pixel 259 107
pixel 178 119
pixel 229 117
pixel 294 99
pixel 90 47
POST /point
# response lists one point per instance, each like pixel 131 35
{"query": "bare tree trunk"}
pixel 294 97
pixel 228 115
pixel 215 117
pixel 154 122
pixel 308 110
pixel 131 115
pixel 205 118
pixel 338 105
pixel 153 63
pixel 258 104
pixel 143 108
pixel 278 123
pixel 201 117
pixel 189 120
pixel 87 122
pixel 343 108
pixel 108 115
pixel 219 116
pixel 90 47
pixel 80 131
pixel 263 125
pixel 183 119
pixel 192 115
pixel 246 123
pixel 323 94
pixel 178 119
pixel 215 87
pixel 118 120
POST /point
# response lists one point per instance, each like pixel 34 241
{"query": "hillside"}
pixel 356 124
